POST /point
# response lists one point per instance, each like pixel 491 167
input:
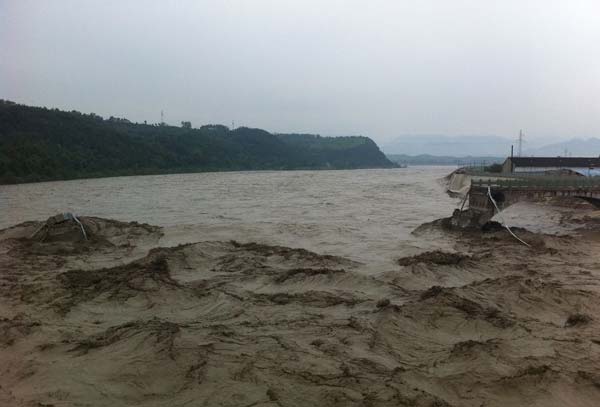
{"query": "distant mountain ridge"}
pixel 575 147
pixel 486 146
pixel 427 159
pixel 40 144
pixel 454 146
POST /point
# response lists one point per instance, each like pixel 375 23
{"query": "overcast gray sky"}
pixel 377 68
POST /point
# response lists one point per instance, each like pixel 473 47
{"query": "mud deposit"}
pixel 117 320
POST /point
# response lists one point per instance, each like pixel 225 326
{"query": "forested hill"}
pixel 39 144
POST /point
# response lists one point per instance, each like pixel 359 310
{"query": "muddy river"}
pixel 366 215
pixel 293 289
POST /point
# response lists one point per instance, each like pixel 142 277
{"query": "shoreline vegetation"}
pixel 39 144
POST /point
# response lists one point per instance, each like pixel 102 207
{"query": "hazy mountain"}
pixel 456 146
pixel 574 147
pixel 486 146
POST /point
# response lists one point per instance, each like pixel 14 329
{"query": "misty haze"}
pixel 299 203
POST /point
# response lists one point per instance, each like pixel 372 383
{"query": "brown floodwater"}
pixel 365 215
pixel 370 315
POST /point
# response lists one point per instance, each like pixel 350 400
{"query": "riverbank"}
pixel 119 320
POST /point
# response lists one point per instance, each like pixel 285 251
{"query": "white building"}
pixel 587 166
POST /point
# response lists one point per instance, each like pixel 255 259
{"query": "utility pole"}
pixel 162 118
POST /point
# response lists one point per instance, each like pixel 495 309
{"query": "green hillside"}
pixel 39 144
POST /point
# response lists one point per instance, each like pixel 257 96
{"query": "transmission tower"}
pixel 162 118
pixel 520 143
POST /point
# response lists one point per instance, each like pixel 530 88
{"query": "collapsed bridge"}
pixel 485 194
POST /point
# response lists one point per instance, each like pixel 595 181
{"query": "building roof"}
pixel 577 162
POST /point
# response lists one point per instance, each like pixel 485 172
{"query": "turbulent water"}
pixel 366 215
pixel 293 289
